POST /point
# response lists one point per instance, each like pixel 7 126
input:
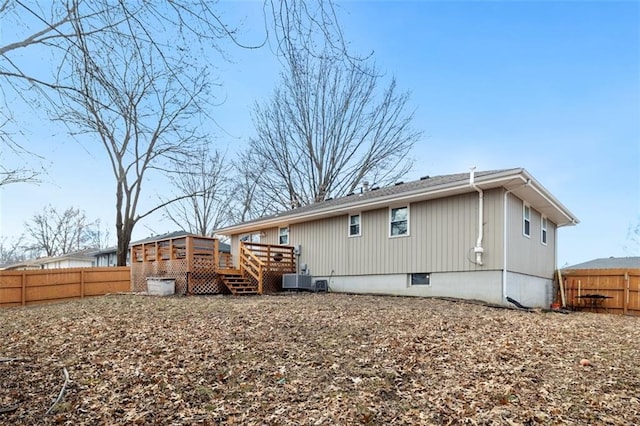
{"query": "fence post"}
pixel 82 284
pixel 260 278
pixel 625 285
pixel 23 284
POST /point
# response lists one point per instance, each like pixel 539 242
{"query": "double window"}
pixel 399 221
pixel 354 225
pixel 526 224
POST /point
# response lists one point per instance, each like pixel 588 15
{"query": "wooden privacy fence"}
pixel 621 287
pixel 53 285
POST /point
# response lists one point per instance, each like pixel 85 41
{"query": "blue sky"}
pixel 553 87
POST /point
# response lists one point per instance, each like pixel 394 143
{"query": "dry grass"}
pixel 314 359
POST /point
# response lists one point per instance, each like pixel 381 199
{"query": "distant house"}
pixel 80 259
pixel 480 235
pixel 25 265
pixel 106 257
pixel 632 262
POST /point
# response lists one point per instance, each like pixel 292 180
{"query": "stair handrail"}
pixel 252 264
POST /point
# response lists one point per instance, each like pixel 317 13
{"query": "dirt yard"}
pixel 314 359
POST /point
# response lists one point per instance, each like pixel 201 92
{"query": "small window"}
pixel 421 279
pixel 526 220
pixel 543 232
pixel 250 238
pixel 284 235
pixel 354 225
pixel 399 221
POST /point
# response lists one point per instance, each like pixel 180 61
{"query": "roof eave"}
pixel 510 179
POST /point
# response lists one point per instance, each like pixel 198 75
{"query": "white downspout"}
pixel 478 250
pixel 505 222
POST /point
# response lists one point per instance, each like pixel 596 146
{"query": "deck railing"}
pixel 266 263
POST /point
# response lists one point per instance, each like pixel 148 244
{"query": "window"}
pixel 250 238
pixel 354 225
pixel 526 220
pixel 543 231
pixel 283 235
pixel 399 221
pixel 421 279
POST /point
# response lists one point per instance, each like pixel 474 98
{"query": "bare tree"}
pixel 11 250
pixel 50 31
pixel 249 201
pixel 134 74
pixel 207 185
pixel 143 110
pixel 632 243
pixel 327 128
pixel 54 233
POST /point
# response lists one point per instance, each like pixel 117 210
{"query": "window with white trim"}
pixel 543 231
pixel 526 220
pixel 283 235
pixel 399 221
pixel 354 225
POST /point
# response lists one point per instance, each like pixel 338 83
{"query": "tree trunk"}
pixel 124 238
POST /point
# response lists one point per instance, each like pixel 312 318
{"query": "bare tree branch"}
pixel 327 129
pixel 54 233
pixel 140 109
pixel 207 178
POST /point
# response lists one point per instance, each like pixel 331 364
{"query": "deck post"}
pixel 216 254
pixel 269 256
pixel 189 244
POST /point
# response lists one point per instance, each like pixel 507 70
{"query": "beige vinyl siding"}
pixel 528 255
pixel 267 236
pixel 441 237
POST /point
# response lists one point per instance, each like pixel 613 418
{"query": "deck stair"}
pixel 236 283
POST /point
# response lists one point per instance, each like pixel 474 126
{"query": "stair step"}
pixel 237 283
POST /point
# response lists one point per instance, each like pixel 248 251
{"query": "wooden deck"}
pixel 198 266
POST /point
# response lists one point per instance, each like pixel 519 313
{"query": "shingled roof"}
pixel 424 188
pixel 375 192
pixel 608 263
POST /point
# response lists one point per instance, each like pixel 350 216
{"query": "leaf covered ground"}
pixel 314 359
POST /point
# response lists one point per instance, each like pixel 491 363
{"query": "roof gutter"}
pixel 335 210
pixel 555 203
pixel 412 196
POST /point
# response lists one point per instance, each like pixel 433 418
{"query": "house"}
pixel 106 257
pixel 25 265
pixel 484 235
pixel 80 259
pixel 613 282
